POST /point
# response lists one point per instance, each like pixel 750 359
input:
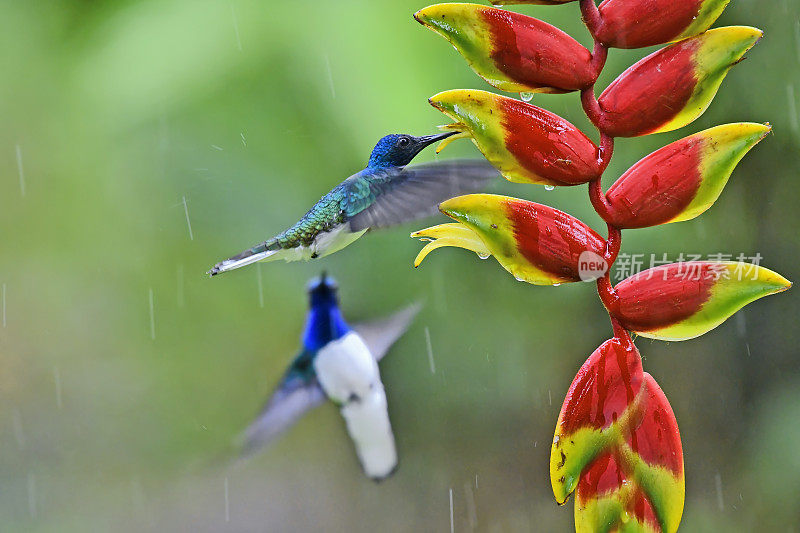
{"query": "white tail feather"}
pixel 231 264
pixel 369 427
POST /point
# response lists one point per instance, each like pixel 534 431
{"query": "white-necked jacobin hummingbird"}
pixel 339 363
pixel 385 193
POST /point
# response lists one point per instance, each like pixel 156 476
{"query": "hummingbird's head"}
pixel 398 150
pixel 322 291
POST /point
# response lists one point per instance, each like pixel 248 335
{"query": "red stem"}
pixel 622 334
pixel 599 56
pixel 591 17
pixel 591 106
pixel 613 244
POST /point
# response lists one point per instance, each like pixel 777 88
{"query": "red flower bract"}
pixel 534 135
pixel 536 53
pixel 651 92
pixel 551 239
pixel 640 23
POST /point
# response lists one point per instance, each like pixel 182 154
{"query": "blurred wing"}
pixel 380 335
pixel 292 400
pixel 415 192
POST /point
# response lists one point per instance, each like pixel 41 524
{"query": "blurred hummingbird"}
pixel 385 193
pixel 339 363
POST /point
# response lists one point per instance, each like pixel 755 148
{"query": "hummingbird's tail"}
pixel 368 425
pixel 257 253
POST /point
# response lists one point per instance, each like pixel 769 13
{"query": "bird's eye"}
pixel 403 142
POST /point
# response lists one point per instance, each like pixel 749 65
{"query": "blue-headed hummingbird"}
pixel 339 363
pixel 385 193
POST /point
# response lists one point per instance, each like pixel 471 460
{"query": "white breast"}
pixel 346 368
pixel 334 240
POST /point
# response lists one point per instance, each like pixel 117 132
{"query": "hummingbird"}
pixel 340 364
pixel 385 193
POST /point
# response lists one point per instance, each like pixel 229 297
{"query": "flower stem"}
pixel 598 198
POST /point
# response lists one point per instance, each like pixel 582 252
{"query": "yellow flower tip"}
pixel 419 16
pixel 435 17
pixel 435 102
pixel 784 285
pixel 451 234
pixel 439 231
pixel 461 135
pixel 748 36
pixel 772 282
pixel 447 101
pixel 461 207
pixel 428 248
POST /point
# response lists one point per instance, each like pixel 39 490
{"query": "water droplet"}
pixel 484 256
pixel 549 187
pixel 519 279
pixel 526 97
pixel 556 284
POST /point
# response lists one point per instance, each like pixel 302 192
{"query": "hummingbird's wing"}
pixel 379 335
pixel 295 396
pixel 413 192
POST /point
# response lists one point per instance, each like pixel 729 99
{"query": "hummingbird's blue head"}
pixel 325 322
pixel 322 291
pixel 398 150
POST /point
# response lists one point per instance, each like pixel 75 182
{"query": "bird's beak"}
pixel 430 139
pixel 427 140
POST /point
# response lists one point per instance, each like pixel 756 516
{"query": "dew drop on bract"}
pixel 549 187
pixel 526 97
pixel 556 284
pixel 483 256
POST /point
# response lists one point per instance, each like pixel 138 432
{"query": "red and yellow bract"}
pixel 683 179
pixel 680 301
pixel 672 87
pixel 533 242
pixel 512 52
pixel 640 23
pixel 617 445
pixel 527 144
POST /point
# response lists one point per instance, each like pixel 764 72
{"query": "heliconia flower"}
pixel 534 242
pixel 512 52
pixel 618 447
pixel 527 144
pixel 640 23
pixel 673 86
pixel 683 179
pixel 681 301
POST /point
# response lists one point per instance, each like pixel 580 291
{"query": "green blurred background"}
pixel 114 114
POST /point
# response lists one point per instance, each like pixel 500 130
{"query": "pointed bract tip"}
pixel 785 286
pixel 451 234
